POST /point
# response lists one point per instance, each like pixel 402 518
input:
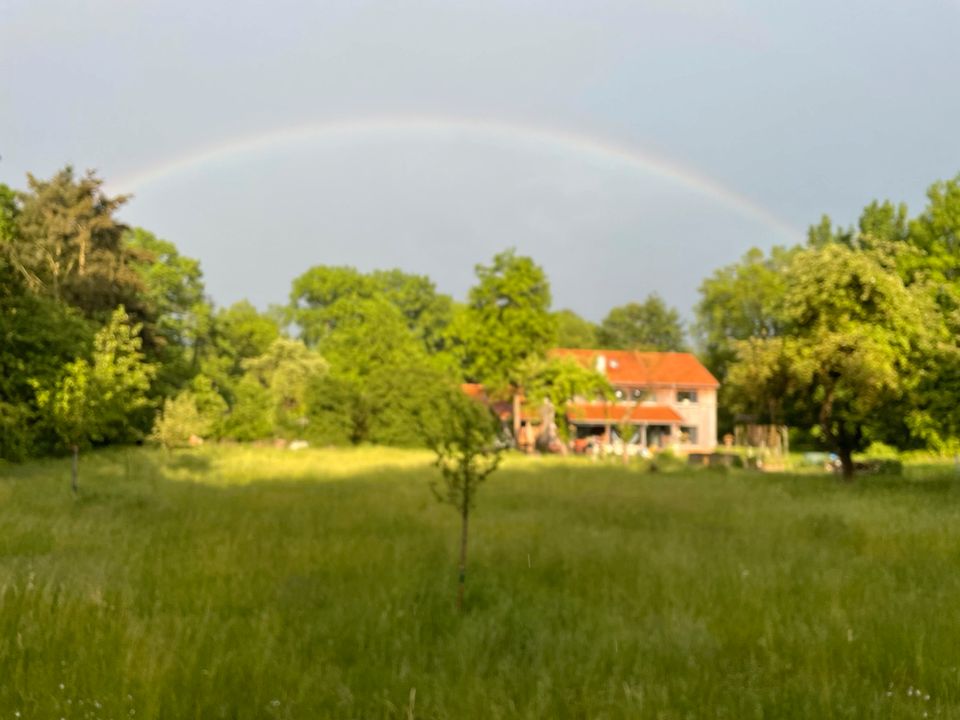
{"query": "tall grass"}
pixel 258 583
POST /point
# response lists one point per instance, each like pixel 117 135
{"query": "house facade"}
pixel 661 400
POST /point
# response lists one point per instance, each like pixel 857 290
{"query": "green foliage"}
pixel 382 408
pixel 251 416
pixel 319 296
pixel 175 293
pixel 366 334
pixel 561 380
pixel 69 246
pixel 236 334
pixel 506 321
pixel 286 370
pixel 855 335
pixel 462 434
pixel 210 404
pixel 761 382
pixel 37 337
pixel 575 332
pixel 178 422
pixel 650 325
pixel 8 218
pixel 427 312
pixel 16 432
pixel 936 234
pixel 102 400
pixel 738 302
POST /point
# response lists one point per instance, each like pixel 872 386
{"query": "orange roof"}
pixel 614 414
pixel 631 367
pixel 474 390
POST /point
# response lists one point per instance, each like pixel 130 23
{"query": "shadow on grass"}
pixel 189 462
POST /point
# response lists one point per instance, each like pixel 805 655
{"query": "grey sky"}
pixel 801 107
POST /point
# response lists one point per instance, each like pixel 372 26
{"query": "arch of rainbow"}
pixel 533 137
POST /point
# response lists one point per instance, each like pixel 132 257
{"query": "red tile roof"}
pixel 474 390
pixel 614 414
pixel 630 367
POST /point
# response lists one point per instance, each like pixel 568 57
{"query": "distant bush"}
pixel 879 450
pixel 666 461
pixel 16 438
pixel 178 421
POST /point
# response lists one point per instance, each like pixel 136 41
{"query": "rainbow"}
pixel 531 137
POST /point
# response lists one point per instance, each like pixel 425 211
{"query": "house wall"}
pixel 701 414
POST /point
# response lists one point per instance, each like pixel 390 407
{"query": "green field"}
pixel 259 583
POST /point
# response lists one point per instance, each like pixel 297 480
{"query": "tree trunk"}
pixel 463 553
pixel 74 485
pixel 846 463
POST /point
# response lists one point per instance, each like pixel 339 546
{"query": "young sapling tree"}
pixel 463 434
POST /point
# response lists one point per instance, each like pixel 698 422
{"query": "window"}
pixel 686 396
pixel 641 394
pixel 688 434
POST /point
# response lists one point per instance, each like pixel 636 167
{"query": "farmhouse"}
pixel 662 399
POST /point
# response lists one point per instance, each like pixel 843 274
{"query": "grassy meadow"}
pixel 236 582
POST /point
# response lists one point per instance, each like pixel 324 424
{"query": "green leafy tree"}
pixel 381 408
pixel 379 370
pixel 575 332
pixel 286 370
pixel 561 380
pixel 69 245
pixel 761 383
pixel 98 401
pixel 936 235
pixel 317 291
pixel 318 296
pixel 250 416
pixel 366 334
pixel 741 301
pixel 210 404
pixel 8 218
pixel 179 421
pixel 462 433
pixel 506 321
pixel 175 292
pixel 236 334
pixel 855 334
pixel 650 325
pixel 427 312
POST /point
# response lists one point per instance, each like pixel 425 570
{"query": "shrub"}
pixel 178 421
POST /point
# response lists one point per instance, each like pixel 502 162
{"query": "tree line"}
pixel 107 335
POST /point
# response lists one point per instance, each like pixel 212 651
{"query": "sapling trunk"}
pixel 74 483
pixel 465 516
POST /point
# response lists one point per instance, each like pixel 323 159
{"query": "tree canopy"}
pixel 506 320
pixel 107 332
pixel 649 325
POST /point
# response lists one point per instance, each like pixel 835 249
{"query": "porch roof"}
pixel 613 414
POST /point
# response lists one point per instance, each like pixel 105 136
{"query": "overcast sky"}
pixel 630 147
